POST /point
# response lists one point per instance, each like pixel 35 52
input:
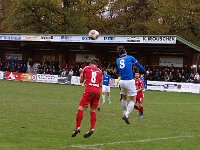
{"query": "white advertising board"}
pixel 1 74
pixel 173 86
pixel 46 78
pixel 75 80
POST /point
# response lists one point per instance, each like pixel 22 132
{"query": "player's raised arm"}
pixel 134 61
pixel 141 67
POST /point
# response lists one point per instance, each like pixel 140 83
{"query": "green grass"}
pixel 35 116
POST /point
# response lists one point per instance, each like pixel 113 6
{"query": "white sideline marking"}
pixel 93 146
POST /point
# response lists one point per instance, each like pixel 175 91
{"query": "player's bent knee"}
pixel 92 110
pixel 80 108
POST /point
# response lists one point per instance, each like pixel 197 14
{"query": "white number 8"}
pixel 122 64
pixel 93 79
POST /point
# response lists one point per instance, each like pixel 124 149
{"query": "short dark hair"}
pixel 137 70
pixel 121 50
pixel 94 61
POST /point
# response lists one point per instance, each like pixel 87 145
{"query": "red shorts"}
pixel 139 100
pixel 90 98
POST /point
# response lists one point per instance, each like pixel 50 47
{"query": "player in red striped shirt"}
pixel 92 76
pixel 140 95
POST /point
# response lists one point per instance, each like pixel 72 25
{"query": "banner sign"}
pixel 47 38
pixel 168 61
pixel 75 80
pixel 173 86
pixel 34 77
pixel 47 78
pixel 1 74
pixel 64 79
pixel 10 37
pixel 152 39
pixel 13 56
pixel 18 76
pixel 87 39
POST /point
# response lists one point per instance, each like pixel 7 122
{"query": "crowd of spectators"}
pixel 72 68
pixel 158 73
pixel 172 74
pixel 13 65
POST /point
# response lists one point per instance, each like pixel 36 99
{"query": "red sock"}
pixel 141 110
pixel 79 117
pixel 92 119
pixel 136 107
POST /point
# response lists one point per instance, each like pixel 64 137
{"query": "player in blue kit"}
pixel 106 87
pixel 127 84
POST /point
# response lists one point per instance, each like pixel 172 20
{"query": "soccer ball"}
pixel 94 34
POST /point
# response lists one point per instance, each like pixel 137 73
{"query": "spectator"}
pixel 196 78
pixel 64 72
pixel 71 72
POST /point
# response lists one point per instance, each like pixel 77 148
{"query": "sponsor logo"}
pixel 108 38
pixel 34 77
pixel 65 37
pixel 86 38
pixel 10 37
pixel 133 39
pixel 30 37
pixel 47 37
pixel 26 77
pixel 162 39
pixel 95 85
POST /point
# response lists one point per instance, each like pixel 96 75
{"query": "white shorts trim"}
pixel 127 87
pixel 105 88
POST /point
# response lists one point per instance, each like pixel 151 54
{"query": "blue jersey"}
pixel 125 66
pixel 106 80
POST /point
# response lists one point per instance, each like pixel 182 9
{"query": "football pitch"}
pixel 38 116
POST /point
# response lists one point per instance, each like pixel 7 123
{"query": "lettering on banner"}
pixel 86 38
pixel 47 37
pixel 109 38
pixel 47 78
pixel 65 37
pixel 30 38
pixel 159 39
pixel 10 37
pixel 133 39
